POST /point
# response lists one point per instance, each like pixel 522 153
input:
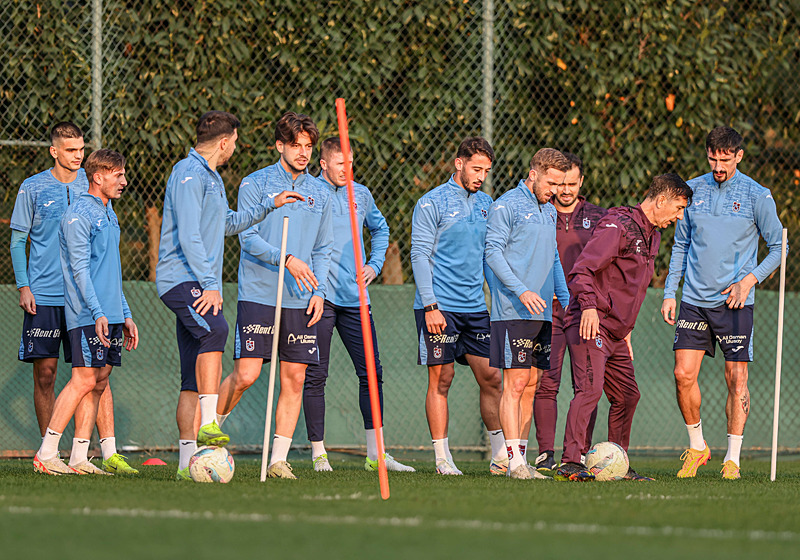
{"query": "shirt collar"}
pixel 456 188
pixel 642 219
pixel 286 176
pixel 194 154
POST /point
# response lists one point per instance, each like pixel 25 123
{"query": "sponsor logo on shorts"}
pixel 250 344
pixel 526 343
pixel 30 346
pixel 302 338
pixel 521 355
pixel 437 352
pixel 598 342
pixel 43 333
pixel 732 339
pixel 692 325
pixel 483 336
pixel 255 328
pixel 443 338
pixel 676 338
pixel 99 353
pixel 737 206
pixel 587 223
pixel 737 348
pixel 312 350
pixel 196 292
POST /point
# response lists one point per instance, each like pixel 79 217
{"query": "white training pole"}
pixel 778 355
pixel 274 360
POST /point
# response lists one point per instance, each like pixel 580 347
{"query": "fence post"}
pixel 487 114
pixel 97 74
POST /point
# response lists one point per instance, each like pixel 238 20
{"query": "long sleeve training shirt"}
pixel 716 244
pixel 40 205
pixel 310 237
pixel 342 285
pixel 521 251
pixel 448 232
pixel 92 273
pixel 195 222
pixel 614 269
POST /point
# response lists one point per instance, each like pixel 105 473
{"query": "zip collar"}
pixel 287 177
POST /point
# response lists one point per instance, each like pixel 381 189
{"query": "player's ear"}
pixel 279 146
pixel 459 164
pixel 739 156
pixel 53 152
pixel 532 175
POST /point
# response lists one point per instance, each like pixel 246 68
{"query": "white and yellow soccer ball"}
pixel 607 461
pixel 211 464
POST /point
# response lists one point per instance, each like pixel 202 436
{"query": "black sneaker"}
pixel 575 472
pixel 633 475
pixel 545 462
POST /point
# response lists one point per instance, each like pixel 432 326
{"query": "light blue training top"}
pixel 522 252
pixel 40 205
pixel 92 273
pixel 342 285
pixel 310 237
pixel 448 231
pixel 716 243
pixel 195 222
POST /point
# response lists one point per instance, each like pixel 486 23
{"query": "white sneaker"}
pixel 54 466
pixel 87 467
pixel 281 469
pixel 393 464
pixel 321 463
pixel 536 474
pixel 521 472
pixel 443 466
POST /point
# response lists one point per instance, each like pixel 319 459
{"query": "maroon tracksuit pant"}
pixel 603 364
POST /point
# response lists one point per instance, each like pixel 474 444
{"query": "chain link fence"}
pixel 630 86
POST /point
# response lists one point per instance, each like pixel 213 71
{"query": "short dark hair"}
pixel 671 186
pixel 103 160
pixel 550 158
pixel 216 124
pixel 574 161
pixel 330 146
pixel 291 125
pixel 474 145
pixel 65 129
pixel 724 139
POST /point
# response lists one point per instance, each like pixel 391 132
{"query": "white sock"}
pixel 186 448
pixel 440 449
pixel 317 449
pixel 523 448
pixel 280 449
pixel 498 443
pixel 372 445
pixel 696 440
pixel 108 446
pixel 80 451
pixel 221 418
pixel 208 408
pixel 447 450
pixel 514 454
pixel 734 448
pixel 49 448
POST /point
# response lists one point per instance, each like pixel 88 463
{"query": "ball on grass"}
pixel 211 464
pixel 607 461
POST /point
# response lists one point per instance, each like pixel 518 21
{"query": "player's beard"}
pixel 468 185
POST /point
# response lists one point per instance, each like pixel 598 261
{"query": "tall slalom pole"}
pixel 273 362
pixel 778 358
pixel 366 331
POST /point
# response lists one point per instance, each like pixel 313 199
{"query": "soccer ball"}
pixel 211 464
pixel 607 461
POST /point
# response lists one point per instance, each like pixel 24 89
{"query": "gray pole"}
pixel 487 113
pixel 97 74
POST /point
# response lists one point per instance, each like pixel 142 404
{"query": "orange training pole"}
pixel 366 331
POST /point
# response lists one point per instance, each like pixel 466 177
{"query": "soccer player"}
pixel 522 253
pixel 310 242
pixel 716 251
pixel 448 230
pixel 189 273
pixel 575 223
pixel 342 308
pixel 609 283
pixel 95 309
pixel 40 204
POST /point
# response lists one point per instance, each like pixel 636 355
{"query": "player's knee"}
pixel 684 377
pixel 45 378
pixel 216 338
pixel 246 377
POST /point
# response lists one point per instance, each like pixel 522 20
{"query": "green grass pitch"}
pixel 340 514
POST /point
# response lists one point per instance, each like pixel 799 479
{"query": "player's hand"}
pixel 533 302
pixel 738 292
pixel 26 300
pixel 303 275
pixel 101 328
pixel 630 346
pixel 435 322
pixel 287 197
pixel 315 308
pixel 590 324
pixel 211 299
pixel 668 310
pixel 369 274
pixel 131 334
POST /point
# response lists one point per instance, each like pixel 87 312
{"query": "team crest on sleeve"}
pixel 521 355
pixel 250 344
pixel 587 223
pixel 599 342
pixel 99 353
pixel 736 206
pixel 196 292
pixel 437 352
pixel 310 200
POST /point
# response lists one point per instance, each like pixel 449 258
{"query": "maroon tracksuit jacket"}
pixel 573 231
pixel 611 275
